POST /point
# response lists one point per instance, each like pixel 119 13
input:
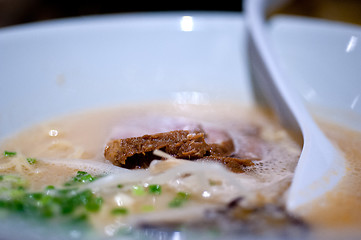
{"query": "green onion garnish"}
pixel 94 204
pixel 138 190
pixel 49 187
pixel 147 208
pixel 68 203
pixel 31 161
pixel 83 177
pixel 119 211
pixel 14 181
pixel 9 154
pixel 155 189
pixel 179 200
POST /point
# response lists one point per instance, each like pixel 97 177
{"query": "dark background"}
pixel 23 11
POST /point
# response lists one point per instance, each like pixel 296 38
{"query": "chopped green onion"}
pixel 147 208
pixel 94 204
pixel 9 154
pixel 14 181
pixel 155 189
pixel 83 177
pixel 138 190
pixel 16 193
pixel 179 200
pixel 49 187
pixel 119 211
pixel 71 203
pixel 79 219
pixel 31 161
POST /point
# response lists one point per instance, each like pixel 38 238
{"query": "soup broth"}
pixel 171 191
pixel 336 214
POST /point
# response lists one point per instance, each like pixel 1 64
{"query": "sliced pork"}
pixel 184 139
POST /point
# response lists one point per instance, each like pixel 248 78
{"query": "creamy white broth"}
pixel 68 144
pixel 337 213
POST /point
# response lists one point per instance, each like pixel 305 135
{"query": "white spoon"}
pixel 321 165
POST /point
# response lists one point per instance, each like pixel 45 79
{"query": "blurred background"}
pixel 14 12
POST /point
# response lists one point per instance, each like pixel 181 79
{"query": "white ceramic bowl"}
pixel 57 67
